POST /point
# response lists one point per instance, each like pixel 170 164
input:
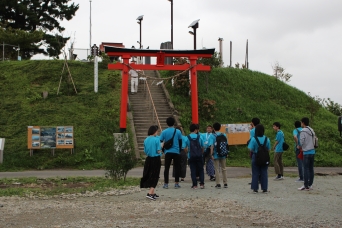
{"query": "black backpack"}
pixel 222 147
pixel 262 157
pixel 195 147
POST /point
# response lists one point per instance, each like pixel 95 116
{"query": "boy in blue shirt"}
pixel 207 159
pixel 218 161
pixel 195 156
pixel 278 152
pixel 296 133
pixel 172 153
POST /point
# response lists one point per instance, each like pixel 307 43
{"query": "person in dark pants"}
pixel 259 173
pixel 184 158
pixel 152 164
pixel 307 143
pixel 195 147
pixel 296 133
pixel 172 153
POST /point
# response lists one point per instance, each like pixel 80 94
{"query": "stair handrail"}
pixel 154 108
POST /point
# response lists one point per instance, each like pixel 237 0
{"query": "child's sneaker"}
pixel 201 186
pixel 194 187
pixel 166 186
pixel 155 196
pixel 151 197
pixel 225 185
pixel 177 186
pixel 218 186
pixel 182 179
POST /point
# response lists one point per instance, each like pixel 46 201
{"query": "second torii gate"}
pixel 126 54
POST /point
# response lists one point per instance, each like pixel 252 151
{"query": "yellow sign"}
pixel 238 134
pixel 60 137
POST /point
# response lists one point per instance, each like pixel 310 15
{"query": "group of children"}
pixel 196 149
pixel 304 138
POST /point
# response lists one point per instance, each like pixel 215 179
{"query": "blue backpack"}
pixel 195 147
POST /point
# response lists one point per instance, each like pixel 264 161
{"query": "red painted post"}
pixel 194 92
pixel 124 94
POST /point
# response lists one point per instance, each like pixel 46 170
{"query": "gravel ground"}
pixel 237 206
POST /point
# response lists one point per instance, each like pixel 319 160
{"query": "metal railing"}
pixel 151 103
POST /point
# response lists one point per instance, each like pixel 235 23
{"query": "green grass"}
pixel 241 95
pixel 95 116
pixel 56 186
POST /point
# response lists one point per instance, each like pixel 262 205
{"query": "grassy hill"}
pixel 241 95
pixel 95 116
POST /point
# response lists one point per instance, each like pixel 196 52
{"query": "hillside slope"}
pixel 95 116
pixel 241 95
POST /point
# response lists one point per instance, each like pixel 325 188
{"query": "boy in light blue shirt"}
pixel 195 157
pixel 173 153
pixel 278 149
pixel 218 161
pixel 296 134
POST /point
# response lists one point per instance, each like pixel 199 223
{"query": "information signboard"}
pixel 238 134
pixel 50 137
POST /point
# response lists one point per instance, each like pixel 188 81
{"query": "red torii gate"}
pixel 126 54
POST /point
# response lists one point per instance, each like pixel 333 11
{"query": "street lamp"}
pixel 171 1
pixel 140 18
pixel 90 26
pixel 194 26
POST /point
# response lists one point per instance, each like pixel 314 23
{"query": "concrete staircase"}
pixel 142 108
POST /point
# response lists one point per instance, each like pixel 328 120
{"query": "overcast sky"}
pixel 304 36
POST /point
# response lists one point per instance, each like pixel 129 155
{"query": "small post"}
pixel 2 146
pixel 3 51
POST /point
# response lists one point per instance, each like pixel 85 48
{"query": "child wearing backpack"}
pixel 152 149
pixel 195 156
pixel 260 147
pixel 218 151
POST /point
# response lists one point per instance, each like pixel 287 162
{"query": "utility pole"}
pixel 221 54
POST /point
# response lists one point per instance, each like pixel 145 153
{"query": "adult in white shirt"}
pixel 134 81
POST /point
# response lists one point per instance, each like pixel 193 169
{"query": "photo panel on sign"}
pixel 35 144
pixel 69 142
pixel 60 142
pixel 60 129
pixel 35 131
pixel 69 129
pixel 35 137
pixel 68 135
pixel 60 135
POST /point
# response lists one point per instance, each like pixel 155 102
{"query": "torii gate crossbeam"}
pixel 126 54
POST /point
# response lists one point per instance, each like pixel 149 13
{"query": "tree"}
pixel 279 73
pixel 213 62
pixel 333 107
pixel 25 40
pixel 35 15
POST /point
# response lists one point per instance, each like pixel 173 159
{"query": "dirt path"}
pixel 283 206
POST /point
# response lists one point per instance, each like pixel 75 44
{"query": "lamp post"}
pixel 90 26
pixel 194 26
pixel 140 18
pixel 221 55
pixel 171 1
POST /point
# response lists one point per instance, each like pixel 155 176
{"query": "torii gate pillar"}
pixel 194 91
pixel 124 93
